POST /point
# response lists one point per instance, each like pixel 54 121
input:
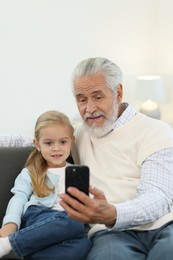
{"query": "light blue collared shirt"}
pixel 24 196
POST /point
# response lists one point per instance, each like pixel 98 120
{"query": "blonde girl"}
pixel 35 225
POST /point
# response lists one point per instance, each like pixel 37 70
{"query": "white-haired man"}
pixel 130 157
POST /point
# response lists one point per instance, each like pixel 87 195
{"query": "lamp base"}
pixel 151 109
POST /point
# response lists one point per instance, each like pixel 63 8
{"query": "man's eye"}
pixel 98 97
pixel 81 99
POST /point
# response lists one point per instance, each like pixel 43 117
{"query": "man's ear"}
pixel 119 93
pixel 37 145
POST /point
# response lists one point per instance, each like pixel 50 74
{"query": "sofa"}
pixel 12 160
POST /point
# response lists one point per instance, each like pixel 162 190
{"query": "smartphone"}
pixel 77 176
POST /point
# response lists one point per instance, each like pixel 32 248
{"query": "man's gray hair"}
pixel 91 66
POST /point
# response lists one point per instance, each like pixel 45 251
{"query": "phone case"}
pixel 77 176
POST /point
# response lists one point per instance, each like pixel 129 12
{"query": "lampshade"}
pixel 149 87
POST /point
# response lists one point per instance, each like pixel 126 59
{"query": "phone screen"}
pixel 77 176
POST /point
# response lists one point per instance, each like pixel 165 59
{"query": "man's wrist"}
pixel 112 222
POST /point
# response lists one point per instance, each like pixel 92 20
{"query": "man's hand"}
pixel 89 210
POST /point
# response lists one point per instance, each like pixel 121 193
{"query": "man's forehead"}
pixel 89 87
pixel 91 92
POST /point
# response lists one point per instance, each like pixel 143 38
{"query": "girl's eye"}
pixel 48 143
pixel 63 142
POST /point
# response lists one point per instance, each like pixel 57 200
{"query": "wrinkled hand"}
pixel 89 210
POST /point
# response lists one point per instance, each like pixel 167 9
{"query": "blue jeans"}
pixel 49 234
pixel 133 245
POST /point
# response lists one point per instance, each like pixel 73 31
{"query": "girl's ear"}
pixel 37 145
pixel 73 138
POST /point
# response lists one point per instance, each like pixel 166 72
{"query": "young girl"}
pixel 35 225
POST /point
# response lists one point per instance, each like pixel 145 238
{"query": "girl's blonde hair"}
pixel 35 163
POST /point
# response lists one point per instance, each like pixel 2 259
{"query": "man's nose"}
pixel 91 106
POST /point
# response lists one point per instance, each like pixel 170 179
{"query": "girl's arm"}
pixel 22 191
pixel 8 229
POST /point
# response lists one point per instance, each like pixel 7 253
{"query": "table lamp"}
pixel 149 90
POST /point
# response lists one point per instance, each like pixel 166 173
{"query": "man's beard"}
pixel 100 131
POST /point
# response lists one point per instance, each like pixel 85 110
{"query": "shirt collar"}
pixel 126 115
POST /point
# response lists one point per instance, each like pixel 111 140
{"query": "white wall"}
pixel 42 40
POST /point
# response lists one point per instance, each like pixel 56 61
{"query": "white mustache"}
pixel 96 114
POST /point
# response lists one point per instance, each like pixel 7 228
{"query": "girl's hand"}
pixel 8 229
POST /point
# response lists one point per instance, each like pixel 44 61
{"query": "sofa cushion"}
pixel 12 161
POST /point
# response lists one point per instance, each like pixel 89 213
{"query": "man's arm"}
pixel 154 197
pixel 154 192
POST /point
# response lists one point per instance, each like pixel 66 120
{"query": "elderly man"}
pixel 130 157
